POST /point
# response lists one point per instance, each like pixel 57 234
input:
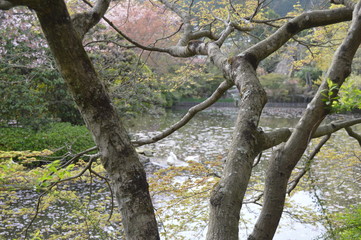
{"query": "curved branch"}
pixel 353 134
pixel 224 86
pixel 77 156
pixel 334 127
pixel 83 22
pixel 304 21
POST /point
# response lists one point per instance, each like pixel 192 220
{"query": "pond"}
pixel 329 187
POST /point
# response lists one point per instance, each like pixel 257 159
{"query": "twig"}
pixel 307 167
pixel 111 191
pixel 110 41
pixel 77 156
pixel 126 37
pixel 37 209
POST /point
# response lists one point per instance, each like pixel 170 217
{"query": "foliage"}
pixel 132 85
pixel 307 73
pixel 144 22
pixel 274 86
pixel 65 212
pixel 349 95
pixel 32 92
pixel 348 98
pixel 342 220
pixel 323 42
pixel 348 224
pixel 192 81
pixel 59 137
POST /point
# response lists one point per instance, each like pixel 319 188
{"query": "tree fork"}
pixel 227 197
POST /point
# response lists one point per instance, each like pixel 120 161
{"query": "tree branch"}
pixel 307 167
pixel 304 21
pixel 87 167
pixel 110 41
pixel 353 134
pixel 110 189
pixel 77 156
pixel 334 127
pixel 224 86
pixel 83 22
pixel 271 139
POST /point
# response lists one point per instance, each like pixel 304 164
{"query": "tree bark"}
pixel 227 197
pixel 119 157
pixel 285 158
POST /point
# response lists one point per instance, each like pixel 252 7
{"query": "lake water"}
pixel 330 186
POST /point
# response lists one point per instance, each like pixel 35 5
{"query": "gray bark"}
pixel 118 155
pixel 285 158
pixel 227 197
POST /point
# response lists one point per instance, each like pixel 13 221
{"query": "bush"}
pixel 56 136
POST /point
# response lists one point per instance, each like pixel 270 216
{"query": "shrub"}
pixel 56 136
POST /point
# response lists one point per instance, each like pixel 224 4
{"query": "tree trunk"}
pixel 284 160
pixel 227 197
pixel 118 155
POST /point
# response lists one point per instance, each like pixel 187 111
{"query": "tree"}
pixel 64 34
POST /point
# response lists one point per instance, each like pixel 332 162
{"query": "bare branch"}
pixel 83 22
pixel 353 134
pixel 77 156
pixel 334 126
pixel 304 21
pixel 258 8
pixel 224 86
pixel 307 167
pixel 110 41
pixel 132 41
pixel 271 139
pixel 110 189
pixel 230 28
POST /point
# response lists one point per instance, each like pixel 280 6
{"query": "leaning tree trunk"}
pixel 227 197
pixel 287 156
pixel 119 157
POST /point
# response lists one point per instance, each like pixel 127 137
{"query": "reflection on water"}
pixel 206 138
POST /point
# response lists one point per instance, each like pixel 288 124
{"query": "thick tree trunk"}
pixel 118 155
pixel 227 197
